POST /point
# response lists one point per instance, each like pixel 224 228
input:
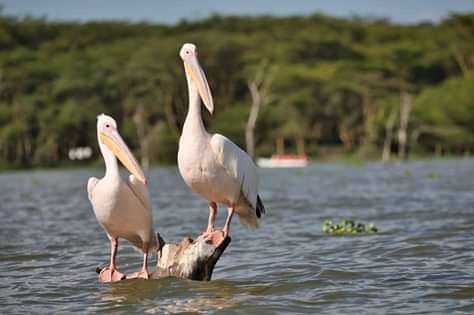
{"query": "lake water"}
pixel 420 262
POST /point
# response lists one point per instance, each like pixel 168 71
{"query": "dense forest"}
pixel 341 86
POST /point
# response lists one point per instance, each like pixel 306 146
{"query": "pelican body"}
pixel 122 207
pixel 210 164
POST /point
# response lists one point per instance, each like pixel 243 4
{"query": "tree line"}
pixel 340 86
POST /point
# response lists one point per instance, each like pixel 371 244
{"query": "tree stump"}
pixel 190 259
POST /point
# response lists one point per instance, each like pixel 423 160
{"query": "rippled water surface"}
pixel 420 262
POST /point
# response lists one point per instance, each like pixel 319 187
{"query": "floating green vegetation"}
pixel 346 227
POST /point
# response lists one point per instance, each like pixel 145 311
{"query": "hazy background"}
pixel 332 79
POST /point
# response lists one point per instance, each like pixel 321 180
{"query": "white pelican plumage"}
pixel 212 165
pixel 122 207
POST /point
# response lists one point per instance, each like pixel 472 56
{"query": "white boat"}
pixel 283 161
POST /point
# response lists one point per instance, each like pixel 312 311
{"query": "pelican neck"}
pixel 111 163
pixel 193 122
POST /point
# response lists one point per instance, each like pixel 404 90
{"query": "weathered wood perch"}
pixel 190 259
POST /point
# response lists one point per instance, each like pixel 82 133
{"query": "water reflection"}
pixel 166 296
pixel 132 291
pixel 197 305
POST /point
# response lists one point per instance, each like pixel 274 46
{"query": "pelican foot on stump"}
pixel 139 275
pixel 215 238
pixel 107 275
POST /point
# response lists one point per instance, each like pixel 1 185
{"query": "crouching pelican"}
pixel 212 165
pixel 121 207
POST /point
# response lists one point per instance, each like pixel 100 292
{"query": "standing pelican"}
pixel 212 165
pixel 121 207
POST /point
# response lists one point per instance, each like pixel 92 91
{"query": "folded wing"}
pixel 238 164
pixel 140 190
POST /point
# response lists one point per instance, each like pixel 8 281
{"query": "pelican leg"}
pixel 212 217
pixel 211 221
pixel 143 273
pixel 226 229
pixel 110 274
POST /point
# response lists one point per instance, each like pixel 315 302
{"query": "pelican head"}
pixel 110 139
pixel 194 71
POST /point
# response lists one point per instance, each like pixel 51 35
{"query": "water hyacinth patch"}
pixel 347 227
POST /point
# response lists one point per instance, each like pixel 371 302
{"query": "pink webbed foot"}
pixel 110 275
pixel 215 237
pixel 139 274
pixel 206 234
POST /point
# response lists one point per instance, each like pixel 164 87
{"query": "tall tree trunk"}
pixel 387 144
pixel 252 120
pixel 405 104
pixel 460 61
pixel 139 120
pixel 370 112
pixel 280 145
pixel 259 88
pixel 300 147
pixel 346 137
pixel 169 113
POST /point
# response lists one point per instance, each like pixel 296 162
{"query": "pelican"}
pixel 210 164
pixel 122 207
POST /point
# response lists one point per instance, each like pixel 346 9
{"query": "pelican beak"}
pixel 115 143
pixel 195 72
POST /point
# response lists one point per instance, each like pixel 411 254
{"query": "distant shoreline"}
pixel 346 160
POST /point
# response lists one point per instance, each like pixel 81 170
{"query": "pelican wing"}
pixel 238 164
pixel 140 190
pixel 91 183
